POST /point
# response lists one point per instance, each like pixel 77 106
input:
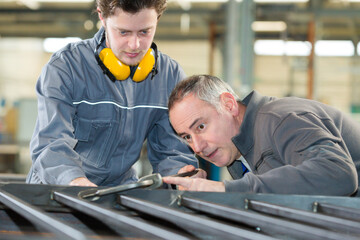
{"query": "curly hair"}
pixel 108 7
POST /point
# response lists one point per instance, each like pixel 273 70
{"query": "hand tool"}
pixel 152 181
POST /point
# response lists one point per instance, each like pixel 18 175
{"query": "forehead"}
pixel 145 18
pixel 185 112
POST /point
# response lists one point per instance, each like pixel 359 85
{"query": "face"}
pixel 130 35
pixel 207 131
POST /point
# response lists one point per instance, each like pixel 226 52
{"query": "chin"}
pixel 131 64
pixel 219 164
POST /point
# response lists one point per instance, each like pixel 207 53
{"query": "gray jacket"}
pixel 296 146
pixel 90 126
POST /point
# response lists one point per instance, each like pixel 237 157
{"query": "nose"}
pixel 134 42
pixel 198 144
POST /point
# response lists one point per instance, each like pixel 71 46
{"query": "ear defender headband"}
pixel 116 70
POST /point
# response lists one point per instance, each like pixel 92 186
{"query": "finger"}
pixel 184 182
pixel 82 182
pixel 200 174
pixel 187 168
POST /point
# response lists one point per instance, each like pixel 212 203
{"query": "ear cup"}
pixel 115 66
pixel 144 67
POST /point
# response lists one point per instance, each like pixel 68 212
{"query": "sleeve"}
pixel 166 152
pixel 53 141
pixel 316 161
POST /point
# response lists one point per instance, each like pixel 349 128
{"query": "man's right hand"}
pixel 195 184
pixel 82 181
pixel 188 168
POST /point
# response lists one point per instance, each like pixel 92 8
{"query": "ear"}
pixel 100 16
pixel 229 103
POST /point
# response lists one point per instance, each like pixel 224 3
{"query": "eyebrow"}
pixel 127 30
pixel 145 29
pixel 194 122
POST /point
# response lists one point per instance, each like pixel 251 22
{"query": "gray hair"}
pixel 205 87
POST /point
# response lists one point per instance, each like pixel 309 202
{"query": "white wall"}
pixel 21 61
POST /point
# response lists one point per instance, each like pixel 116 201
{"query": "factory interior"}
pixel 309 49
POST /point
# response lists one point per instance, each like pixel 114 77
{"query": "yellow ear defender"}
pixel 116 70
pixel 144 67
pixel 115 66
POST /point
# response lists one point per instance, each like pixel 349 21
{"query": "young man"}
pixel 101 98
pixel 288 145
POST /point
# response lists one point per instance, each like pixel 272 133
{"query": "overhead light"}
pixel 281 1
pixel 342 48
pixel 26 2
pixel 88 25
pixel 269 47
pixel 185 23
pixel 73 1
pixel 257 1
pixel 30 4
pixel 297 48
pixel 268 26
pixel 205 1
pixel 282 48
pixel 54 44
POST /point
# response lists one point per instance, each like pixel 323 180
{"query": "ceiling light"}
pixel 257 1
pixel 268 26
pixel 280 1
pixel 44 1
pixel 72 1
pixel 343 48
pixel 281 48
pixel 54 44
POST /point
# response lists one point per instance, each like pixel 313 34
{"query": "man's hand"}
pixel 188 168
pixel 195 184
pixel 82 181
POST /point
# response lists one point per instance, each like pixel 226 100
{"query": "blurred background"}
pixel 304 48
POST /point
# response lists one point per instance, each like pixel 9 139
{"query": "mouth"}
pixel 212 154
pixel 132 55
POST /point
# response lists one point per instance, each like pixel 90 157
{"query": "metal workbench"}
pixel 29 211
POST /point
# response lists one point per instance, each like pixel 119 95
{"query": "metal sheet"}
pixel 262 222
pixel 116 219
pixel 95 225
pixel 190 221
pixel 40 218
pixel 343 212
pixel 328 222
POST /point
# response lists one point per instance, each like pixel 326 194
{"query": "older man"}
pixel 269 145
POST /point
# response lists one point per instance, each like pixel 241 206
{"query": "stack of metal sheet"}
pixel 57 212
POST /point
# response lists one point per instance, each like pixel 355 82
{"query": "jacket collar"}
pixel 244 141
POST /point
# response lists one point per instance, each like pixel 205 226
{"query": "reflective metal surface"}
pixel 172 214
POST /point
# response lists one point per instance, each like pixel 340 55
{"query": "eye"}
pixel 187 138
pixel 201 126
pixel 144 32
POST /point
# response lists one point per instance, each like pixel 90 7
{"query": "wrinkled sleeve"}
pixel 166 153
pixel 316 161
pixel 53 141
